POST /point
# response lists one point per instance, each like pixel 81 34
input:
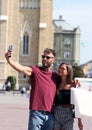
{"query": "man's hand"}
pixel 8 55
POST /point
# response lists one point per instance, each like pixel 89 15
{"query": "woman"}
pixel 63 112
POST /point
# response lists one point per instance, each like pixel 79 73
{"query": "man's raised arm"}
pixel 18 67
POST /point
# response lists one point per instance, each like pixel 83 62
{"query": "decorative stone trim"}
pixel 30 4
pixel 3 17
pixel 42 25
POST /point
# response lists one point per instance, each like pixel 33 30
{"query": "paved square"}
pixel 14 113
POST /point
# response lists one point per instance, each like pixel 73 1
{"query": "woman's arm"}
pixel 80 125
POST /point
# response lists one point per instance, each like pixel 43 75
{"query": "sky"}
pixel 77 13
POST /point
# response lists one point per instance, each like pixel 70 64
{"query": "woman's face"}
pixel 62 70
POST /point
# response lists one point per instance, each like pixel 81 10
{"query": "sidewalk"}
pixel 14 113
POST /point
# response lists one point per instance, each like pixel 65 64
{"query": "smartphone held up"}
pixel 10 49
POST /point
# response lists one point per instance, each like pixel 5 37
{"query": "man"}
pixel 43 84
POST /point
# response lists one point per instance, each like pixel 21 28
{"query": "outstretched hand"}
pixel 76 83
pixel 8 54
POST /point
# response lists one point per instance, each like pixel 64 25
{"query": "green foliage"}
pixel 12 80
pixel 29 80
pixel 77 71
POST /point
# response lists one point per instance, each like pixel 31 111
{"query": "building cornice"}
pixel 3 17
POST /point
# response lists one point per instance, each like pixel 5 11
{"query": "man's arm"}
pixel 18 67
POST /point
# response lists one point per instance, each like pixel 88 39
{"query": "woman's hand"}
pixel 76 84
pixel 80 125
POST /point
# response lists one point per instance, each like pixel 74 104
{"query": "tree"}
pixel 12 80
pixel 77 71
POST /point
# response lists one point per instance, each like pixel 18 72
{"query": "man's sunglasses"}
pixel 47 57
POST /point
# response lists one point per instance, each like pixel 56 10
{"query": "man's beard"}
pixel 46 65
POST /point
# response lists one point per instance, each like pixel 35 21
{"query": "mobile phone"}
pixel 10 48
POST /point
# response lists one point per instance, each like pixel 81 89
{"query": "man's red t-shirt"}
pixel 43 90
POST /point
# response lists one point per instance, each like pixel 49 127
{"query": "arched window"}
pixel 25 44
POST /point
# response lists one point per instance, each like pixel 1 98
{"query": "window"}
pixel 25 44
pixel 67 55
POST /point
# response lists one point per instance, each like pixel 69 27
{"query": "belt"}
pixel 64 105
pixel 44 112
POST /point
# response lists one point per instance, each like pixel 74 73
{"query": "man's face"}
pixel 47 59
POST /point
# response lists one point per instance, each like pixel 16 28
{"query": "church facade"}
pixel 27 25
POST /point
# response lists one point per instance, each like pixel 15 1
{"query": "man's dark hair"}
pixel 48 50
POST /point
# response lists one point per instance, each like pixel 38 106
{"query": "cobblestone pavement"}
pixel 14 112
